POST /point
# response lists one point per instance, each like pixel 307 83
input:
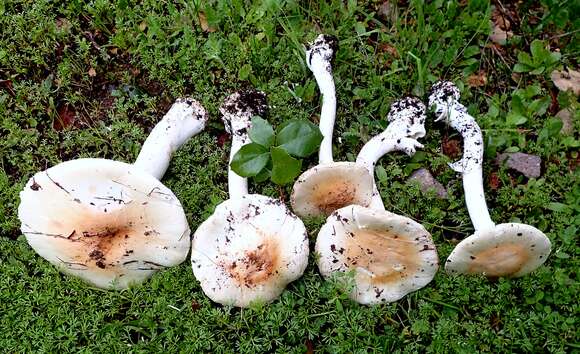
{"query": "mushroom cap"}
pixel 327 187
pixel 249 250
pixel 104 221
pixel 391 255
pixel 507 250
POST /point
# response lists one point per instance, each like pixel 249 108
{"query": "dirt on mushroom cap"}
pixel 325 188
pixel 103 221
pixel 249 250
pixel 391 255
pixel 508 250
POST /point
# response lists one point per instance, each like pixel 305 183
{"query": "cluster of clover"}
pixel 114 224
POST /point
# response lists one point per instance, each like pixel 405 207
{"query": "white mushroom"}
pixel 406 124
pixel 505 250
pixel 252 246
pixel 330 185
pixel 110 223
pixel 390 255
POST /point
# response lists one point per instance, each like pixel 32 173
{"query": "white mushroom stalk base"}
pixel 390 255
pixel 330 185
pixel 319 56
pixel 505 250
pixel 185 118
pixel 407 123
pixel 249 250
pixel 106 222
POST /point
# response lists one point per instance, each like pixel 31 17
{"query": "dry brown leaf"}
pixel 494 181
pixel 388 11
pixel 92 72
pixel 498 35
pixel 567 80
pixel 499 19
pixel 477 79
pixel 62 24
pixel 389 49
pixel 66 117
pixel 451 147
pixel 203 22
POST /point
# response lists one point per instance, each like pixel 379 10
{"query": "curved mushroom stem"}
pixel 407 119
pixel 237 112
pixel 185 118
pixel 319 55
pixel 444 96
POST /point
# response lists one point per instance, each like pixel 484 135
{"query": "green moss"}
pixel 146 54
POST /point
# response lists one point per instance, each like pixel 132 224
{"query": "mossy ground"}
pixel 90 79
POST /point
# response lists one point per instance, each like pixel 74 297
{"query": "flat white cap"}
pixel 390 255
pixel 327 187
pixel 249 250
pixel 507 250
pixel 106 222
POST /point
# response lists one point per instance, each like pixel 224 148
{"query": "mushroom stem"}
pixel 406 117
pixel 319 56
pixel 185 118
pixel 237 112
pixel 444 97
pixel 237 185
pixel 368 156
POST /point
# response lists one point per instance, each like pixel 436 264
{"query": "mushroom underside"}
pixel 103 221
pixel 249 250
pixel 508 250
pixel 326 188
pixel 389 255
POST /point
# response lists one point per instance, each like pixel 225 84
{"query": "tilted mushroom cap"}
pixel 327 187
pixel 508 250
pixel 391 255
pixel 104 221
pixel 249 250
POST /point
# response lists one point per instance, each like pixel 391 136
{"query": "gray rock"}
pixel 427 182
pixel 565 116
pixel 528 165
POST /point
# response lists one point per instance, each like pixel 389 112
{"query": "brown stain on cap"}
pixel 99 239
pixel 335 194
pixel 502 261
pixel 387 257
pixel 257 266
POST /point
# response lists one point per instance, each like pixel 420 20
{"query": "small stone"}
pixel 528 165
pixel 427 182
pixel 565 116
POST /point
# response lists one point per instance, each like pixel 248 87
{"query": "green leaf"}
pixel 538 50
pixel 521 68
pixel 537 71
pixel 245 72
pixel 524 58
pixel 515 119
pixel 298 137
pixel 554 58
pixel 285 168
pixel 558 207
pixel 261 132
pixel 250 160
pixel 263 175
